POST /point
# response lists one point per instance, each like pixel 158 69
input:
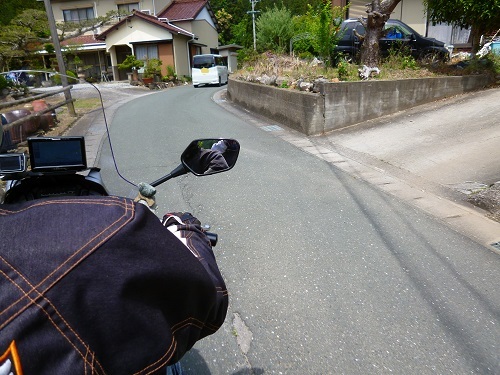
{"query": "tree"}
pixel 483 16
pixel 21 37
pixel 274 29
pixel 28 31
pixel 317 31
pixel 12 8
pixel 225 21
pixel 241 30
pixel 379 11
pixel 242 34
pixel 68 30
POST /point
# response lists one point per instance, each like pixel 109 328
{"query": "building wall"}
pixel 104 6
pixel 166 55
pixel 207 34
pixel 181 57
pixel 136 30
pixel 411 12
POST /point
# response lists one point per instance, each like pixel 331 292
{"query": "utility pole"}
pixel 252 12
pixel 59 56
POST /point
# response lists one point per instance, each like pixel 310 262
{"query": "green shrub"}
pixel 130 62
pixel 400 57
pixel 306 56
pixel 247 56
pixel 3 82
pixel 72 78
pixel 343 68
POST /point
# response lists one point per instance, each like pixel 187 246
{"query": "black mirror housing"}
pixel 205 157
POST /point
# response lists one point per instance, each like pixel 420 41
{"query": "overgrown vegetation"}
pixel 399 64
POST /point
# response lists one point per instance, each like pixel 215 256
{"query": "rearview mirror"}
pixel 209 156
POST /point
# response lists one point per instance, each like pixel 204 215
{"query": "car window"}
pixel 345 31
pixel 360 29
pixel 392 31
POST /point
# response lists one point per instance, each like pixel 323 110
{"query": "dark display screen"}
pixel 11 163
pixel 59 153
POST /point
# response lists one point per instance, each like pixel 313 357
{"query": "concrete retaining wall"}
pixel 298 110
pixel 338 105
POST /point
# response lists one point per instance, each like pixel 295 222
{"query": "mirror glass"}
pixel 209 156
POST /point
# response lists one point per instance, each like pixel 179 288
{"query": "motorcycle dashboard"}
pixel 56 154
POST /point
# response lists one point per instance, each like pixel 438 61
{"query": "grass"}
pixel 87 104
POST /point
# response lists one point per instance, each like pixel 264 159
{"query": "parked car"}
pixel 396 34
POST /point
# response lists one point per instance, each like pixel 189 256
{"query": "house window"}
pixel 127 8
pixel 78 15
pixel 146 51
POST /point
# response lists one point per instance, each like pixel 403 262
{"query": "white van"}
pixel 209 70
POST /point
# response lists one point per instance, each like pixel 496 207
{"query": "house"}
pixel 171 30
pixel 413 13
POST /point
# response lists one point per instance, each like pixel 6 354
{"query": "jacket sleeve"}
pixel 169 294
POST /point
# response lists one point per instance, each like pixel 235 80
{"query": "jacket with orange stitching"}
pixel 100 286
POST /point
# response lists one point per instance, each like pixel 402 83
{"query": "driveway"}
pixel 450 142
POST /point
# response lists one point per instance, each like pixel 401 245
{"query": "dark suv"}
pixel 396 34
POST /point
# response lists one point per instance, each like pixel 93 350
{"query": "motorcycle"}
pixel 56 166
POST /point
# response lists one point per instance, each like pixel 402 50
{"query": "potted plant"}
pixel 151 70
pixel 131 63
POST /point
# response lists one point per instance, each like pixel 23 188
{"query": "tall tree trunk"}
pixel 475 37
pixel 379 12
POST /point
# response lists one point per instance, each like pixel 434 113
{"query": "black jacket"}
pixel 100 286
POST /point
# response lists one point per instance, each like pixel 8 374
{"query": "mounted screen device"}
pixel 12 163
pixel 57 154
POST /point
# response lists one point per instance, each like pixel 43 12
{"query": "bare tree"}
pixel 379 11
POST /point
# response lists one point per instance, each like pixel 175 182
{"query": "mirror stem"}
pixel 179 171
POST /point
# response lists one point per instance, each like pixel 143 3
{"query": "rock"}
pixel 367 71
pixel 316 62
pixel 305 86
pixel 251 78
pixel 268 80
pixel 317 84
pixel 488 199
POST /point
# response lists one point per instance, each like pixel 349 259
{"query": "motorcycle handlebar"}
pixel 213 237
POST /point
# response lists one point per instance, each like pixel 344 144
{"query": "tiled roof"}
pixel 183 10
pixel 81 39
pixel 147 18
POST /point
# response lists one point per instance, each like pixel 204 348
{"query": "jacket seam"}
pixel 90 251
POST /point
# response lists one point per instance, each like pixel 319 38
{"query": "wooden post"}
pixel 59 56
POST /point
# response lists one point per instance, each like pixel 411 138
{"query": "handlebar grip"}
pixel 213 237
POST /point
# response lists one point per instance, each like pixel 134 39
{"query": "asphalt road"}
pixel 326 273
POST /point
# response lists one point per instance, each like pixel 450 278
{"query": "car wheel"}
pixel 195 86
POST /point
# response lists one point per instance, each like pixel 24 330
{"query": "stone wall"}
pixel 337 105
